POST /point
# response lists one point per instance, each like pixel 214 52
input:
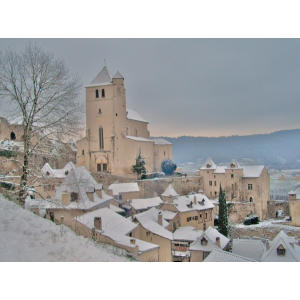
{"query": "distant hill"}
pixel 279 150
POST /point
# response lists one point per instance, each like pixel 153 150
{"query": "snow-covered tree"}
pixel 223 213
pixel 42 95
pixel 139 166
pixel 168 166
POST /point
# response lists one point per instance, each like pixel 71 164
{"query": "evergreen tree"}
pixel 139 166
pixel 223 213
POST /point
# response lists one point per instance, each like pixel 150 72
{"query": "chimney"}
pixel 98 223
pixel 267 245
pixel 160 218
pixel 90 195
pixel 218 243
pixel 65 198
pixel 195 200
pixel 132 241
pixel 99 193
pixel 62 219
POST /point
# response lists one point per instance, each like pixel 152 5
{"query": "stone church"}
pixel 115 134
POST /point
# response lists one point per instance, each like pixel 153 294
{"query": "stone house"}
pixel 294 205
pixel 136 206
pixel 124 191
pixel 241 183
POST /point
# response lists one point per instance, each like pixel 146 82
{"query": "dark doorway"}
pixel 12 136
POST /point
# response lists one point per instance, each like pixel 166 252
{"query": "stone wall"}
pixel 107 179
pixel 182 185
pixel 266 232
pixel 275 205
pixel 237 211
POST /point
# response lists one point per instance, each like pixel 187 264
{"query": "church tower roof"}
pixel 118 76
pixel 103 78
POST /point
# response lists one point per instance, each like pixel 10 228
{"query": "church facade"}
pixel 115 135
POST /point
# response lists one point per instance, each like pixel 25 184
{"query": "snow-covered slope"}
pixel 26 237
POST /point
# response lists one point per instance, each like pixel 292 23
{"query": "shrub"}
pixel 168 166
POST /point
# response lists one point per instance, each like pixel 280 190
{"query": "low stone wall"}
pixel 275 205
pixel 182 185
pixel 265 232
pixel 107 179
pixel 237 211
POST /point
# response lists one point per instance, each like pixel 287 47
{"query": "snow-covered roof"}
pixel 209 164
pixel 57 173
pixel 149 220
pixel 253 249
pixel 145 203
pixel 218 255
pixel 111 221
pixel 234 165
pixel 182 203
pixel 118 188
pixel 125 240
pixel 186 233
pixel 198 244
pixel 161 142
pixel 138 138
pixel 295 192
pixel 118 76
pixel 292 253
pixel 170 192
pixel 168 215
pixel 80 181
pixel 133 115
pixel 252 171
pixel 116 209
pixel 213 233
pixel 103 78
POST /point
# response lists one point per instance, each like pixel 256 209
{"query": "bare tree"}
pixel 43 95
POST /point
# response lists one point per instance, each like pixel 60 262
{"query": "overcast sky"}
pixel 199 87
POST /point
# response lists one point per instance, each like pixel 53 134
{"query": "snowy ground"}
pixel 269 223
pixel 25 237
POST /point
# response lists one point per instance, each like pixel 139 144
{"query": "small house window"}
pixel 208 166
pixel 215 183
pixel 281 250
pixel 74 196
pixel 100 111
pixel 232 176
pixel 103 93
pixel 210 183
pixel 250 187
pixel 97 94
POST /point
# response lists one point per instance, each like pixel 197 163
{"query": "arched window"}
pixel 103 93
pixel 12 136
pixel 251 199
pixel 97 94
pixel 101 141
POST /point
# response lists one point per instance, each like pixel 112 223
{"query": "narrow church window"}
pixel 250 186
pixel 232 176
pixel 103 93
pixel 82 152
pixel 12 136
pixel 100 111
pixel 101 142
pixel 98 167
pixel 97 94
pixel 251 199
pixel 104 167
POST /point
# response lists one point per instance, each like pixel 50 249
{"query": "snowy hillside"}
pixel 26 237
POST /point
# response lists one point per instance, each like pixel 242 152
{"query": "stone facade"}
pixel 116 135
pixel 241 184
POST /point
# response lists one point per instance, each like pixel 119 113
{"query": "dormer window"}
pixel 97 94
pixel 208 166
pixel 103 93
pixel 281 250
pixel 232 166
pixel 203 241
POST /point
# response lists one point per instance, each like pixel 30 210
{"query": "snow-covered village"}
pixel 111 190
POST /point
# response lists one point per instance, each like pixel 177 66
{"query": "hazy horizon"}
pixel 193 87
